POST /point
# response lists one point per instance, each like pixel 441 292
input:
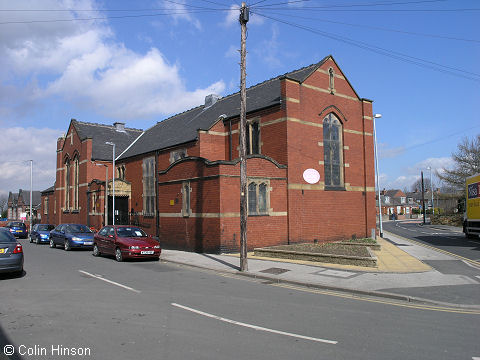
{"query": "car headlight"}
pixel 134 247
pixel 156 247
pixel 76 238
pixel 11 230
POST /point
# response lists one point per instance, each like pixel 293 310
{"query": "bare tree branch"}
pixel 467 163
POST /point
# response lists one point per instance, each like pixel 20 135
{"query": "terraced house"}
pixel 180 178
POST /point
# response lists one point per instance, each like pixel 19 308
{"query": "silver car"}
pixel 11 253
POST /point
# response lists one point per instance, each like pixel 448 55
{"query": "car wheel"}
pixel 66 246
pixel 52 244
pixel 118 255
pixel 96 252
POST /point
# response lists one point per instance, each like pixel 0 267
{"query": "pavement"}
pixel 402 273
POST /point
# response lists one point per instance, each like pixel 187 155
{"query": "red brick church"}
pixel 180 179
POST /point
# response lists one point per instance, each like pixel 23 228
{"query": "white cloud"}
pixel 269 50
pixel 19 145
pixel 87 66
pixel 436 164
pixel 180 12
pixel 122 84
pixel 412 174
pixel 386 152
pixel 401 182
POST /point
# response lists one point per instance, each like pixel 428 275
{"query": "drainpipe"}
pixel 157 213
pixel 88 205
pixel 230 139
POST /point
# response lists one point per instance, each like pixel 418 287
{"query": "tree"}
pixel 3 205
pixel 417 185
pixel 467 163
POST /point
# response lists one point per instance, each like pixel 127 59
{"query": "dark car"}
pixel 18 229
pixel 41 233
pixel 125 242
pixel 11 253
pixel 71 236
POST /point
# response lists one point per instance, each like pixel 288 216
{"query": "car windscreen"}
pixel 6 237
pixel 130 232
pixel 18 224
pixel 75 228
pixel 45 227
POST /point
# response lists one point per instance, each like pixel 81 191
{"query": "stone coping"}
pixel 370 261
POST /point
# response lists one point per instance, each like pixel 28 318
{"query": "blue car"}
pixel 71 236
pixel 41 233
pixel 11 253
pixel 17 229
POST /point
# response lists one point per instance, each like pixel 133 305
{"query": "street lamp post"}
pixel 106 193
pixel 113 182
pixel 431 189
pixel 377 116
pixel 31 191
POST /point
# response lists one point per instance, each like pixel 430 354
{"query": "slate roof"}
pixel 100 133
pixel 36 197
pixel 49 190
pixel 394 193
pixel 182 128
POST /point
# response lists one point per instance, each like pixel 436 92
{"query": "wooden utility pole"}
pixel 243 142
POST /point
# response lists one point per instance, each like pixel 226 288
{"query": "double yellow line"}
pixel 381 301
pixel 473 262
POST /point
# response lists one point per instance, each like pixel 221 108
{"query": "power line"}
pixel 381 28
pixel 282 3
pixel 104 18
pixel 358 5
pixel 440 138
pixel 215 3
pixel 382 51
pixel 258 2
pixel 325 9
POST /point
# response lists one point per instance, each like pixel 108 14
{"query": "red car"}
pixel 124 241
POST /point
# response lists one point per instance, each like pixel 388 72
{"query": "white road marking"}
pixel 475 358
pixel 471 265
pixel 254 326
pixel 109 281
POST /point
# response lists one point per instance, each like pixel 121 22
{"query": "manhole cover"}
pixel 275 271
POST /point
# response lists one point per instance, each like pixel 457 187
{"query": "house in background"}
pixel 180 178
pixel 47 206
pixel 19 205
pixel 396 202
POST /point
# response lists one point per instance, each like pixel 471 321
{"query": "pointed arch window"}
pixel 67 184
pixel 333 151
pixel 76 182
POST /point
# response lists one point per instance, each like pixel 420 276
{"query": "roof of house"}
pixel 48 190
pixel 100 134
pixel 394 193
pixel 13 196
pixel 36 197
pixel 182 128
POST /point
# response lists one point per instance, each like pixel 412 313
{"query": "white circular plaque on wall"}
pixel 311 176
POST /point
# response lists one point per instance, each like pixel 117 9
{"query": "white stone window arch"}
pixel 333 151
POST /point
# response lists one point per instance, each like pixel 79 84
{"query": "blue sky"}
pixel 142 61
